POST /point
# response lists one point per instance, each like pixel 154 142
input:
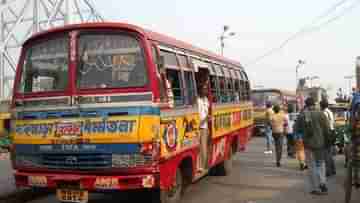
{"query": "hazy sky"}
pixel 260 25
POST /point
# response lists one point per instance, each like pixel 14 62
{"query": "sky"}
pixel 260 25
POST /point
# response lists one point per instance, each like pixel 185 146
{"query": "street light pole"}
pixel 222 44
pixel 223 36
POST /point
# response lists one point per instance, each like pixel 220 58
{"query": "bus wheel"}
pixel 173 194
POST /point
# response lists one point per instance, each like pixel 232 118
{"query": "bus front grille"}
pixel 76 161
pixel 84 161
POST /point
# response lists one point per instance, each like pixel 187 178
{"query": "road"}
pixel 255 179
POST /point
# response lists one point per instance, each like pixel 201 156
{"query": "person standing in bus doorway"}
pixel 330 142
pixel 313 123
pixel 278 124
pixel 203 107
pixel 268 132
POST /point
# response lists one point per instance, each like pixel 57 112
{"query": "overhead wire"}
pixel 335 18
pixel 308 28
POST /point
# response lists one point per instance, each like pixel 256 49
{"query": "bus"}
pixel 102 107
pixel 260 97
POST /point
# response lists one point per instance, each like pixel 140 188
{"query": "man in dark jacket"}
pixel 314 125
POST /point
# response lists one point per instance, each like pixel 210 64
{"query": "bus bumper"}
pixel 87 182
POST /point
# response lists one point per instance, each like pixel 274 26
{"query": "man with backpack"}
pixel 330 142
pixel 313 124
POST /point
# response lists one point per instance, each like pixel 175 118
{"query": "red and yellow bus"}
pixel 111 106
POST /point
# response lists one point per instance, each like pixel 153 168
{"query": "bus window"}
pixel 227 85
pixel 161 79
pixel 110 61
pixel 236 90
pixel 214 88
pixel 223 92
pixel 169 58
pixel 229 89
pixel 173 76
pixel 190 88
pixel 183 61
pixel 242 90
pixel 246 86
pixel 247 90
pixel 45 67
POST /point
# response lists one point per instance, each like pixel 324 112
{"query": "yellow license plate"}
pixel 74 196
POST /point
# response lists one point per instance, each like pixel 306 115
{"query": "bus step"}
pixel 200 174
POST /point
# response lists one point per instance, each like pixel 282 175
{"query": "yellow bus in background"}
pixel 260 97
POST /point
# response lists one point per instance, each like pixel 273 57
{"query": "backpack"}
pixel 308 125
pixel 312 140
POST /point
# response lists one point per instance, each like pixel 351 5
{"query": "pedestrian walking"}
pixel 330 141
pixel 278 121
pixel 299 146
pixel 290 141
pixel 300 150
pixel 315 128
pixel 268 131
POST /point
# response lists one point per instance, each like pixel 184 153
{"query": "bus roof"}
pixel 151 35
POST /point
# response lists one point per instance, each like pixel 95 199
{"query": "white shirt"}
pixel 330 116
pixel 290 120
pixel 203 105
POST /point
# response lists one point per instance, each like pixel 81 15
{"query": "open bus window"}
pixel 247 90
pixel 237 90
pixel 110 61
pixel 45 67
pixel 160 74
pixel 230 90
pixel 173 76
pixel 223 91
pixel 213 86
pixel 190 88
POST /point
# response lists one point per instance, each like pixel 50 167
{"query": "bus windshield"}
pixel 259 99
pixel 45 67
pixel 110 61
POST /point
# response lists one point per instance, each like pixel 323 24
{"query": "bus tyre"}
pixel 225 167
pixel 173 194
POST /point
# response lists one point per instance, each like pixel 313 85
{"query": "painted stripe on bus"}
pixel 90 112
